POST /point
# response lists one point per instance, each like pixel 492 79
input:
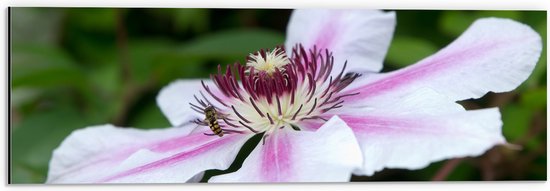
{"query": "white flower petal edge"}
pixel 361 37
pixel 413 131
pixel 174 100
pixel 329 154
pixel 491 55
pixel 108 154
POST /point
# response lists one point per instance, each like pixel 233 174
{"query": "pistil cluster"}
pixel 273 91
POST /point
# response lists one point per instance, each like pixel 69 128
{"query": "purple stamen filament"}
pixel 281 91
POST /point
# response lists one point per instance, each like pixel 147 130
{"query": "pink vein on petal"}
pixel 328 33
pixel 394 125
pixel 311 124
pixel 372 123
pixel 178 142
pixel 275 164
pixel 173 159
pixel 423 69
pixel 116 156
pixel 417 126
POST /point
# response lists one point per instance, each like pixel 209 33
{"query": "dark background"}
pixel 76 67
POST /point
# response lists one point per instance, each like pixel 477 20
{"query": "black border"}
pixel 8 92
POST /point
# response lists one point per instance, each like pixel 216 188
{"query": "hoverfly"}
pixel 211 117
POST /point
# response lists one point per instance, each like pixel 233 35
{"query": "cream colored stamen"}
pixel 273 60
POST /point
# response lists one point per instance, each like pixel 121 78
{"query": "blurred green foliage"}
pixel 76 67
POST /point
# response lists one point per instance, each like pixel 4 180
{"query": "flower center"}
pixel 268 61
pixel 273 92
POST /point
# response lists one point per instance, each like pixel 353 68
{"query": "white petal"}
pixel 174 100
pixel 327 155
pixel 361 37
pixel 108 154
pixel 492 55
pixel 413 131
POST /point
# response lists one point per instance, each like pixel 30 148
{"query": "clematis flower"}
pixel 322 109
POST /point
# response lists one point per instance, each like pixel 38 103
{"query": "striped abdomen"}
pixel 212 119
pixel 215 127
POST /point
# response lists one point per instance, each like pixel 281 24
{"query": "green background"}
pixel 76 67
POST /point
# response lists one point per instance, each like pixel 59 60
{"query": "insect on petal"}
pixel 299 156
pixel 174 100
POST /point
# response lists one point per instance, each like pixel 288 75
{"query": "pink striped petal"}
pixel 108 154
pixel 492 55
pixel 361 37
pixel 413 131
pixel 327 155
pixel 174 100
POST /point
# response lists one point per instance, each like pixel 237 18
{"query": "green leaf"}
pixel 43 66
pixel 103 92
pixel 162 61
pixel 25 27
pixel 236 44
pixel 24 174
pixel 194 19
pixel 20 96
pixel 91 48
pixel 534 99
pixel 514 15
pixel 407 50
pixel 172 65
pixel 90 34
pixel 106 78
pixel 453 23
pixel 149 117
pixel 34 139
pixel 516 121
pixel 94 19
pixel 159 61
pixel 463 171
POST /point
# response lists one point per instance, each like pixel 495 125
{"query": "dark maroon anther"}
pixel 313 107
pixel 327 89
pixel 199 101
pixel 314 117
pixel 236 90
pixel 311 84
pixel 296 114
pixel 256 107
pixel 199 122
pixel 279 106
pixel 339 97
pixel 312 92
pixel 271 80
pixel 211 94
pixel 228 123
pixel 207 101
pixel 270 119
pixel 337 105
pixel 240 116
pixel 248 127
pixel 232 131
pixel 198 111
pixel 328 97
pixel 196 107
